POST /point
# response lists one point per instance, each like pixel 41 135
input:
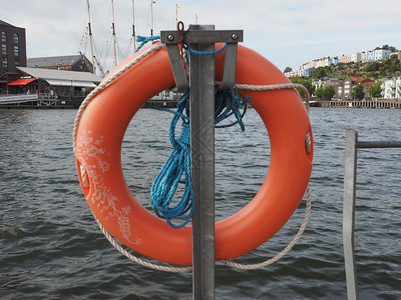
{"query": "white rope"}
pixel 84 178
pixel 275 87
pixel 105 83
pixel 142 262
pixel 158 267
pixel 81 109
pixel 285 250
pixel 308 148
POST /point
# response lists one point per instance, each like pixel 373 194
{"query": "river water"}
pixel 51 247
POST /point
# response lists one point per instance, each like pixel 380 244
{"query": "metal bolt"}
pixel 170 37
pixel 234 36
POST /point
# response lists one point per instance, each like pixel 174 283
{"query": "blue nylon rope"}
pixel 177 168
pixel 144 39
pixel 204 53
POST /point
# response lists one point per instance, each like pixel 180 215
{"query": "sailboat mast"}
pixel 91 39
pixel 151 16
pixel 133 24
pixel 176 14
pixel 114 35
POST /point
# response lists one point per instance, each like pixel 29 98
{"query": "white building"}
pixel 391 87
pixel 335 60
pixel 381 54
pixel 364 56
pixel 370 55
pixel 356 57
pixel 325 82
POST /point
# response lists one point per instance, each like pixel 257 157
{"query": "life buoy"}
pixel 98 151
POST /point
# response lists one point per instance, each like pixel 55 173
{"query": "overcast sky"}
pixel 288 32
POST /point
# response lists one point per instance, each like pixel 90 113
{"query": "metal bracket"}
pixel 230 37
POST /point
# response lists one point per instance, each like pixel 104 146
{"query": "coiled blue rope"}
pixel 177 168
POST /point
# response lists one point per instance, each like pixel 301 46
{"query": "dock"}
pixel 382 103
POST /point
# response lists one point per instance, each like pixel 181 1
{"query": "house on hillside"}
pixel 325 82
pixel 77 62
pixel 344 90
pixel 382 54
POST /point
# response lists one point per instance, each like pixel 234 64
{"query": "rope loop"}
pixel 193 51
pixel 286 249
pixel 228 103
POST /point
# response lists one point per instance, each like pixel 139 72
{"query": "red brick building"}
pixel 13 52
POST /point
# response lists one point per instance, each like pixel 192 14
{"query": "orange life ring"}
pixel 98 150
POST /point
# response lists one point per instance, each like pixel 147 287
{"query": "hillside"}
pixel 375 70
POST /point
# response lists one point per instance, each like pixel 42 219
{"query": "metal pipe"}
pixel 350 167
pixel 201 80
pixel 349 213
pixel 376 144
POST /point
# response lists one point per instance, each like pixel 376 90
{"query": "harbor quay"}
pixel 384 104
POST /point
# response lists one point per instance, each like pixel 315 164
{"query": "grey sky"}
pixel 288 33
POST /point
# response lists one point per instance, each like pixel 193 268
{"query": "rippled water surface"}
pixel 51 247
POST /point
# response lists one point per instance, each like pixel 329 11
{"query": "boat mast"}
pixel 133 24
pixel 176 13
pixel 90 38
pixel 114 35
pixel 151 16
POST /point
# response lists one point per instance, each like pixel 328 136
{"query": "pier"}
pixel 385 104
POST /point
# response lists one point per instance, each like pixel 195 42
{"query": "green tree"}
pixel 375 90
pixel 357 92
pixel 306 83
pixel 287 69
pixel 319 92
pixel 329 92
pixel 373 66
pixel 320 72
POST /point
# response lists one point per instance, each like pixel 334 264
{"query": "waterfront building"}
pixel 344 89
pixel 391 87
pixel 77 62
pixel 13 53
pixel 53 84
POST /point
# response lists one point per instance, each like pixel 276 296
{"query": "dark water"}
pixel 51 247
